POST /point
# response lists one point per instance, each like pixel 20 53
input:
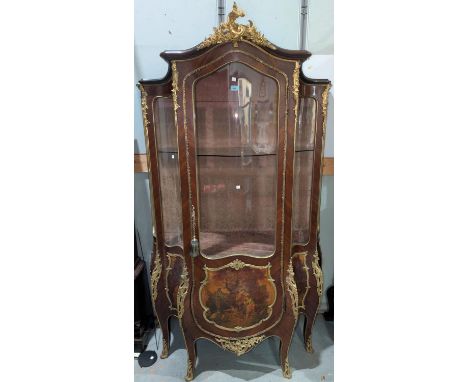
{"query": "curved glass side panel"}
pixel 303 161
pixel 169 176
pixel 236 124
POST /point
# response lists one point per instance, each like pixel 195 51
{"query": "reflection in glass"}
pixel 303 162
pixel 166 144
pixel 305 131
pixel 236 132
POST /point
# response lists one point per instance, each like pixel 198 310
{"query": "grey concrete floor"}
pixel 261 364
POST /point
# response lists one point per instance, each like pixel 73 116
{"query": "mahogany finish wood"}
pixel 235 300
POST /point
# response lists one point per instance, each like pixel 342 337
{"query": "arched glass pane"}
pixel 303 161
pixel 169 177
pixel 236 111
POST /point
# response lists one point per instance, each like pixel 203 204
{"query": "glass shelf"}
pixel 225 153
pixel 217 244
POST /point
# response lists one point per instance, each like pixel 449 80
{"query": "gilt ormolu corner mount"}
pixel 234 139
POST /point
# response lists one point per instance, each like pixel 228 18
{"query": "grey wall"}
pixel 165 25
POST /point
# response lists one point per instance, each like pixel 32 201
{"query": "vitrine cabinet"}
pixel 234 141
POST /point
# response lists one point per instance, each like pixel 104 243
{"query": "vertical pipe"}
pixel 303 22
pixel 221 10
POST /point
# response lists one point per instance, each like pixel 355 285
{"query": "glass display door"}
pixel 235 144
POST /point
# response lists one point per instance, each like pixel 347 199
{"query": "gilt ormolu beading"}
pixel 235 135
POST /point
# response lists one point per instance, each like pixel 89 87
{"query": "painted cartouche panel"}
pixel 173 273
pixel 237 296
pixel 301 276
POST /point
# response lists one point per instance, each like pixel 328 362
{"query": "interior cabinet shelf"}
pixel 227 154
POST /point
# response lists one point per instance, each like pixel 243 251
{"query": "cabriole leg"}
pixel 308 322
pixel 284 350
pixel 313 300
pixel 166 337
pixel 191 358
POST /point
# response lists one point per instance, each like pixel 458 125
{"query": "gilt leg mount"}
pixel 189 375
pixel 165 350
pixel 286 369
pixel 309 347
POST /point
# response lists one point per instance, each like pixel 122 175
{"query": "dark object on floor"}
pixel 329 316
pixel 143 310
pixel 147 358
